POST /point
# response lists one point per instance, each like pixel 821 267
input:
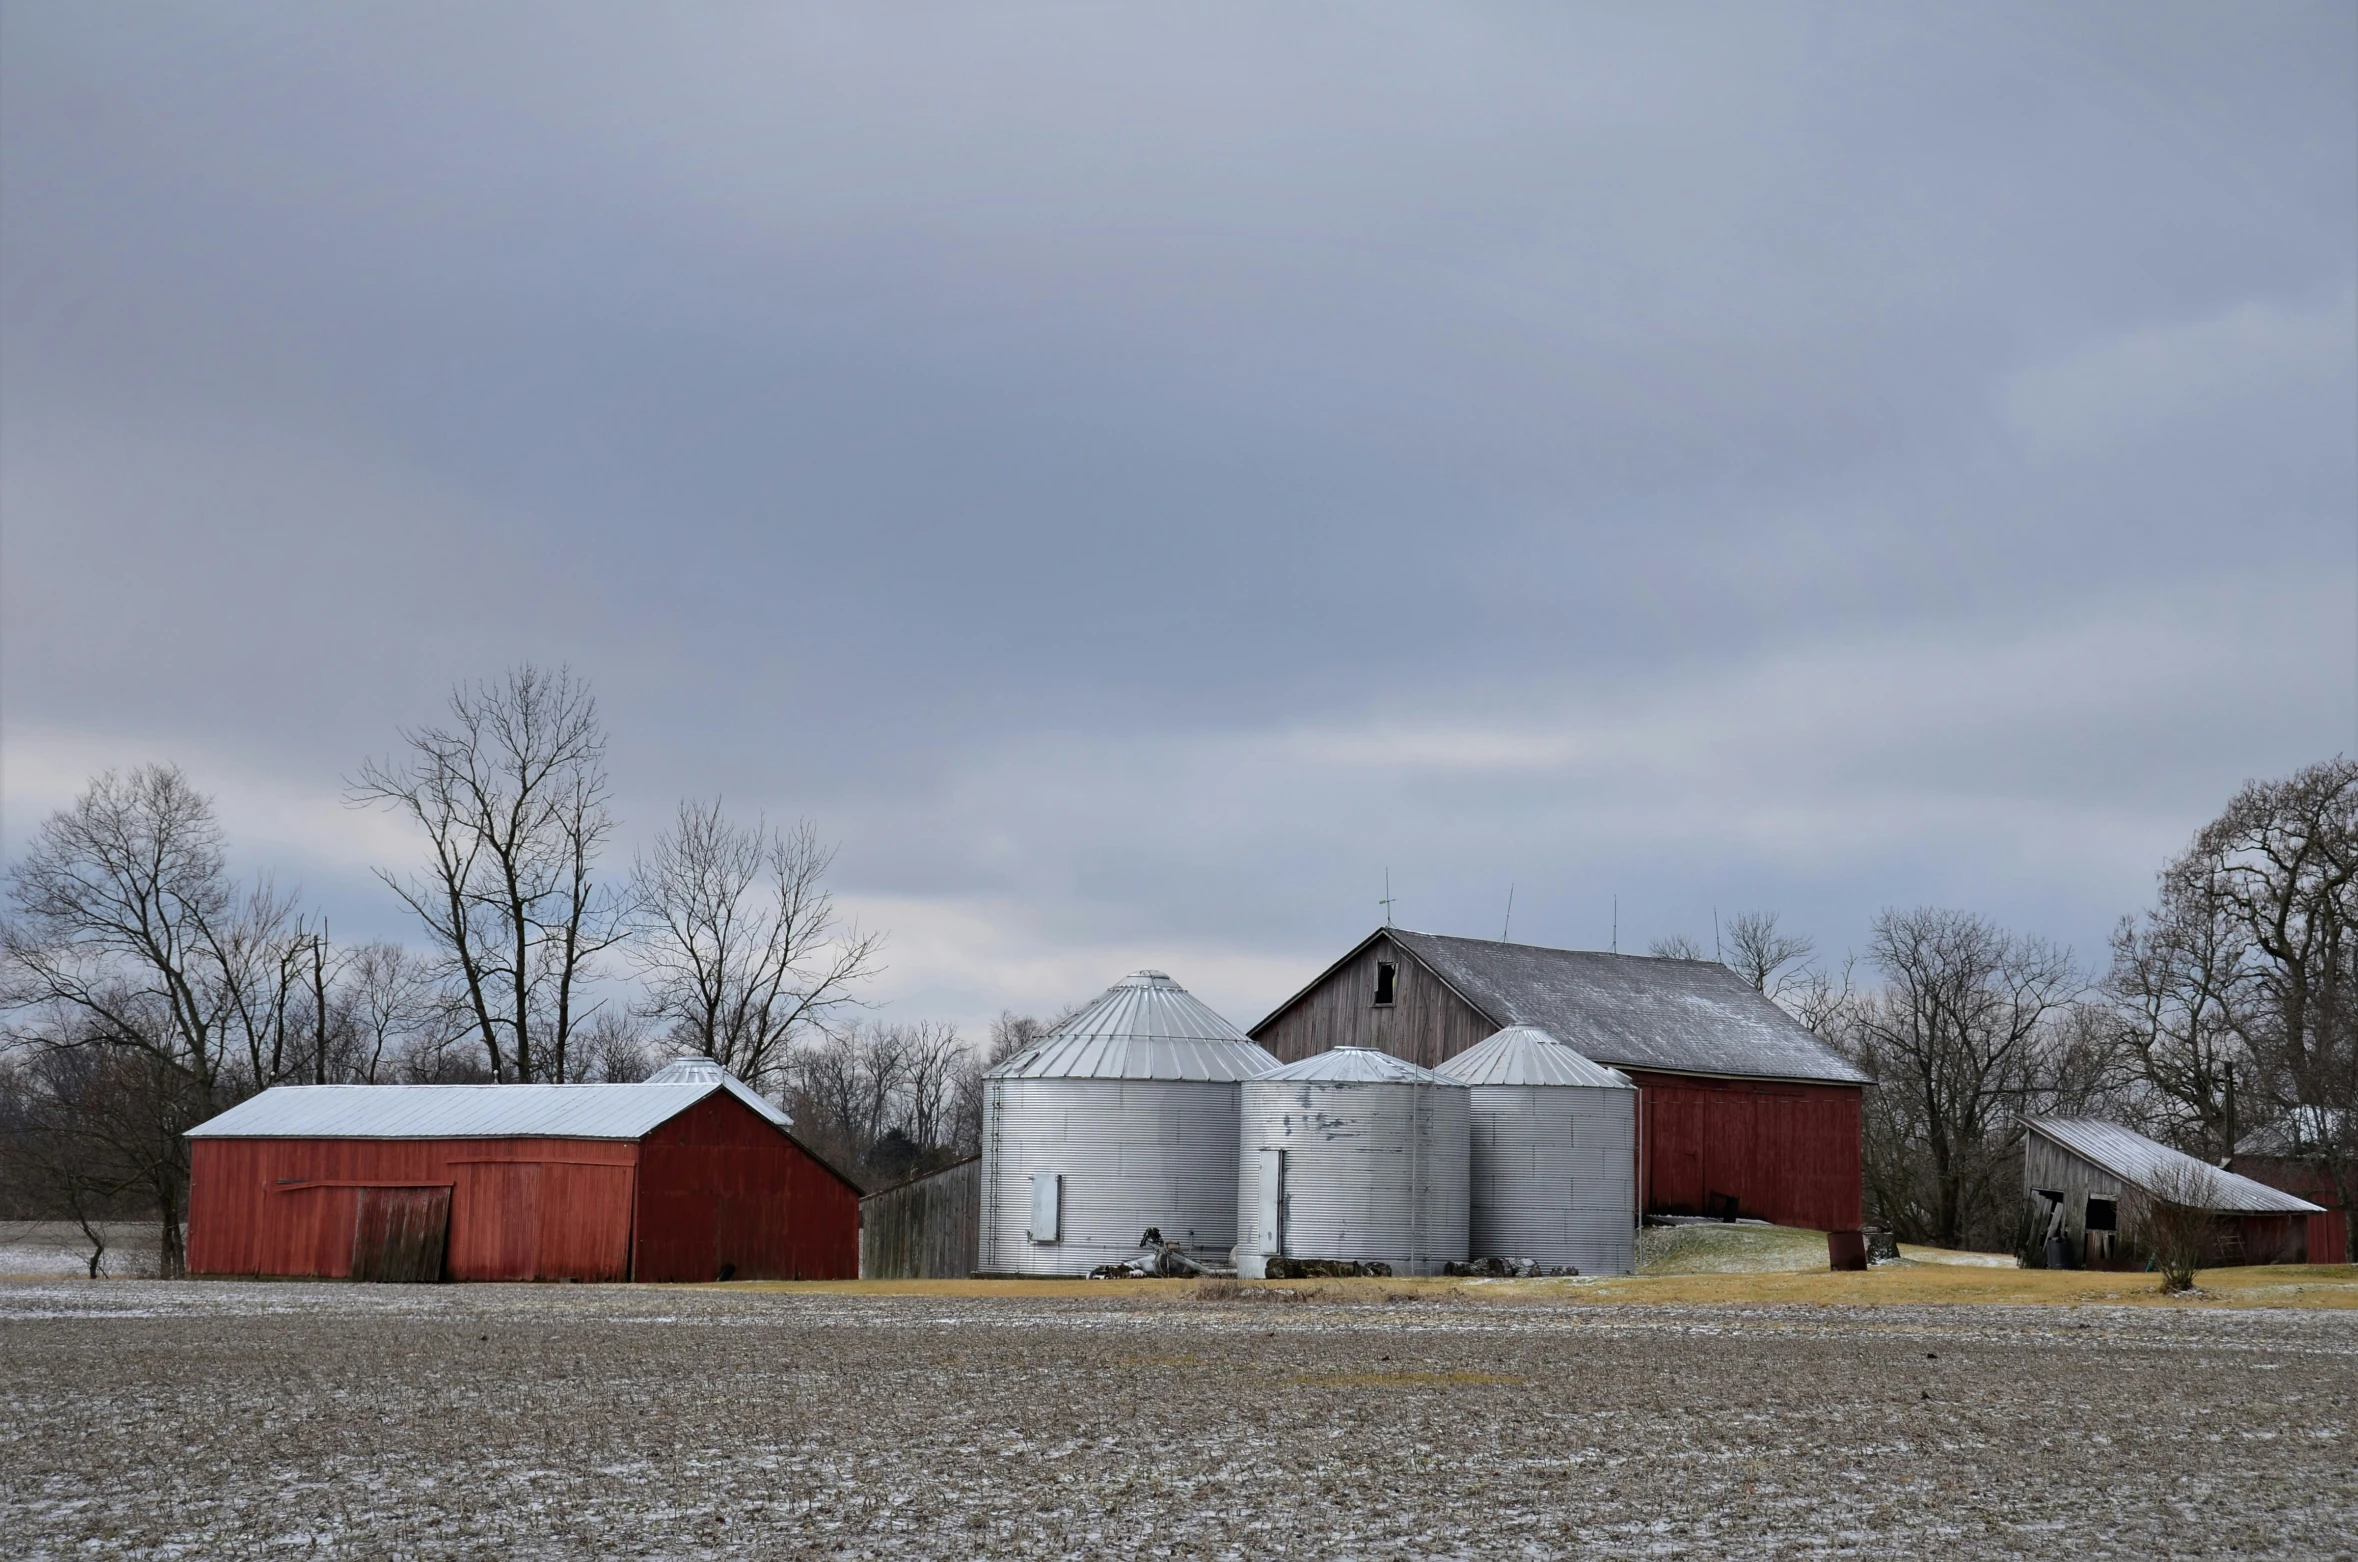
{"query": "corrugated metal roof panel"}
pixel 2135 1159
pixel 1633 1011
pixel 1357 1065
pixel 1527 1055
pixel 1145 1026
pixel 705 1070
pixel 455 1111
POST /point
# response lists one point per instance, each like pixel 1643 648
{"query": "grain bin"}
pixel 1352 1154
pixel 1554 1153
pixel 1122 1120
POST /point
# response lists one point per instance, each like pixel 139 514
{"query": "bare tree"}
pixel 386 1006
pixel 2175 1221
pixel 743 952
pixel 2277 873
pixel 129 942
pixel 512 797
pixel 2174 988
pixel 1965 1037
pixel 1676 946
pixel 1758 951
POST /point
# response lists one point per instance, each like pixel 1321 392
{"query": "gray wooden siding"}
pixel 2049 1165
pixel 1427 1024
pixel 927 1229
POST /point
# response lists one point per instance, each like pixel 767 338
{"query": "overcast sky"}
pixel 1134 475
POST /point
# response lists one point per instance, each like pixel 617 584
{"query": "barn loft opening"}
pixel 2103 1214
pixel 1387 977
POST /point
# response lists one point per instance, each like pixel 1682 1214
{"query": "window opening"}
pixel 1386 980
pixel 2103 1214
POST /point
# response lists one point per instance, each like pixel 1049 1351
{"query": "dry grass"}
pixel 1913 1285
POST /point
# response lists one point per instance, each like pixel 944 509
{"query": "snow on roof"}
pixel 1527 1055
pixel 2141 1162
pixel 468 1111
pixel 1144 1026
pixel 1632 1011
pixel 1356 1065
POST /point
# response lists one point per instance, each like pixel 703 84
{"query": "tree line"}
pixel 2223 1007
pixel 147 987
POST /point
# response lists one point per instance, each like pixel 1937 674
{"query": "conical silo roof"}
pixel 1357 1065
pixel 1145 1026
pixel 1527 1055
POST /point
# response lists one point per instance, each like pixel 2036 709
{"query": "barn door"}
pixel 398 1235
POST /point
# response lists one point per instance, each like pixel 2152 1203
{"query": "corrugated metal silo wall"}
pixel 929 1228
pixel 1133 1153
pixel 1373 1171
pixel 1555 1176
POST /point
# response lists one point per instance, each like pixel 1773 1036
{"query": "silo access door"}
pixel 1272 1218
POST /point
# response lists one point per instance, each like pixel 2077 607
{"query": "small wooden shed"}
pixel 2087 1181
pixel 690 1176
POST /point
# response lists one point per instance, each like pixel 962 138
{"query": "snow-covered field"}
pixel 222 1420
pixel 58 1247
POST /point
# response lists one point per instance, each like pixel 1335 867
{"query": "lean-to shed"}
pixel 2087 1180
pixel 1740 1110
pixel 1352 1155
pixel 1554 1154
pixel 1121 1121
pixel 688 1176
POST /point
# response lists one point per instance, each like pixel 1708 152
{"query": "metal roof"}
pixel 706 1071
pixel 1145 1026
pixel 1632 1011
pixel 1527 1055
pixel 2303 1134
pixel 459 1111
pixel 1356 1065
pixel 2139 1161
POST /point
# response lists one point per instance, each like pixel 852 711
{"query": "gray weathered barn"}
pixel 2088 1181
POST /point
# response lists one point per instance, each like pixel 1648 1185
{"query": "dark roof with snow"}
pixel 1628 1011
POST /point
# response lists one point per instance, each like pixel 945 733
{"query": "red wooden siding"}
pixel 287 1206
pixel 1789 1153
pixel 720 1188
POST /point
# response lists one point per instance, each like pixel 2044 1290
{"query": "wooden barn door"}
pixel 399 1235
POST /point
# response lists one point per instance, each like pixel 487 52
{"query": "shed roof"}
pixel 1357 1065
pixel 466 1111
pixel 2142 1163
pixel 1527 1055
pixel 1144 1026
pixel 1629 1011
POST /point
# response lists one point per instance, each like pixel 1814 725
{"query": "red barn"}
pixel 689 1176
pixel 1739 1108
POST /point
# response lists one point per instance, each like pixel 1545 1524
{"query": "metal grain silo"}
pixel 1352 1154
pixel 1122 1120
pixel 1554 1153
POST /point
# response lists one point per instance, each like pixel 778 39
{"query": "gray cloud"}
pixel 1135 475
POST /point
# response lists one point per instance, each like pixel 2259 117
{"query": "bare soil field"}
pixel 217 1419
